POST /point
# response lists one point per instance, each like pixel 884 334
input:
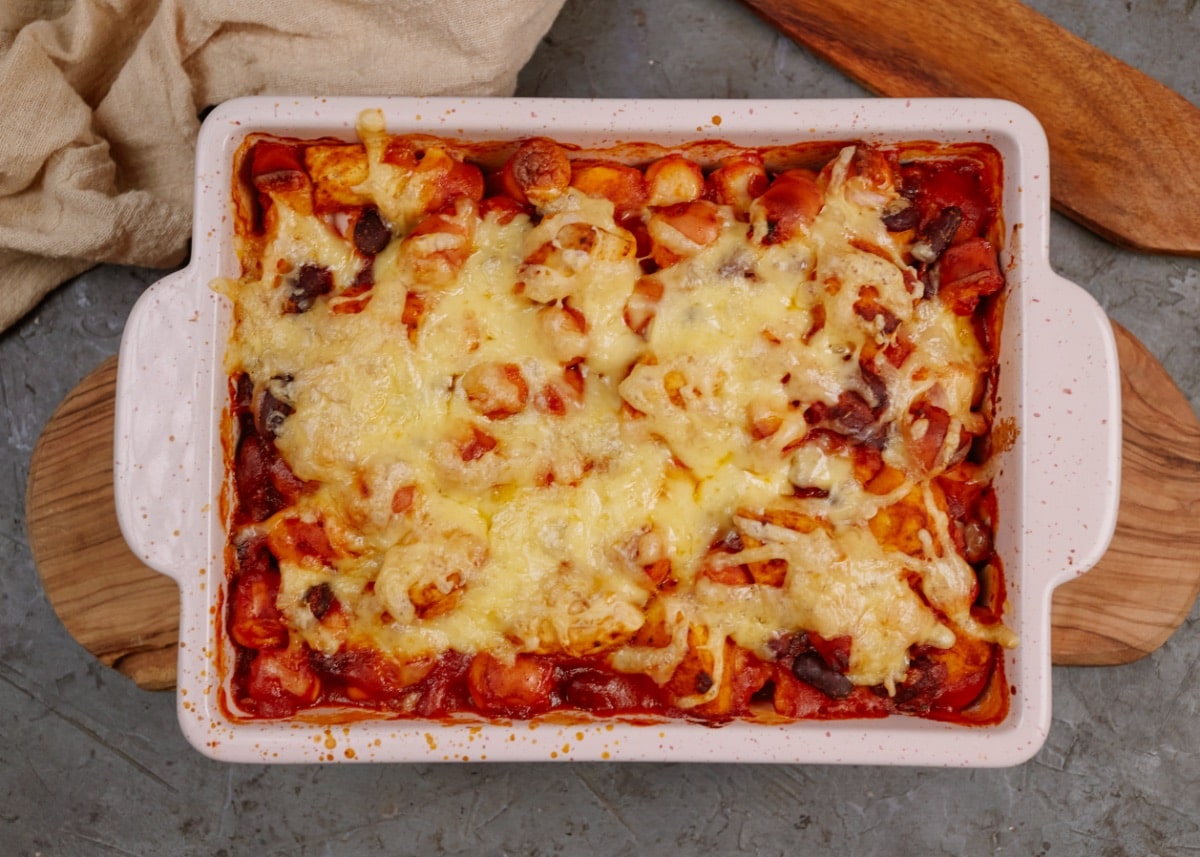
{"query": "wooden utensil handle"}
pixel 1122 146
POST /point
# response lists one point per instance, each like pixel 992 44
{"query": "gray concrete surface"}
pixel 90 764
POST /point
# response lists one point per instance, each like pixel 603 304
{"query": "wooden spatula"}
pixel 1123 147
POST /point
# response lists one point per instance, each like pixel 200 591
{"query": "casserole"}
pixel 1057 484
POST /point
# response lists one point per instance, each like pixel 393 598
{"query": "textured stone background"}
pixel 90 764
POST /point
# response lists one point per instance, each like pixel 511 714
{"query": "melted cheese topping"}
pixel 537 539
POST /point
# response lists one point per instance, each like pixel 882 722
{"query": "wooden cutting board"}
pixel 1122 145
pixel 127 615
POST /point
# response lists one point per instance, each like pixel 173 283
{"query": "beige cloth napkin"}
pixel 99 102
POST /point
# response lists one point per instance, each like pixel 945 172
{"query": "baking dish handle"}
pixel 1073 467
pixel 163 424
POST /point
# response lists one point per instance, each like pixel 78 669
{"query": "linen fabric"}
pixel 100 103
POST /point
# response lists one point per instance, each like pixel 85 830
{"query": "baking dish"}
pixel 1058 483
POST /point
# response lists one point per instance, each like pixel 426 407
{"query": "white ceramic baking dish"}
pixel 1058 485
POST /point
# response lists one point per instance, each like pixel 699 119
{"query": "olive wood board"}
pixel 1122 145
pixel 127 615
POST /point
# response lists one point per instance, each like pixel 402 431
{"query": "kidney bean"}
pixel 319 599
pixel 811 668
pixel 270 414
pixel 258 497
pixel 598 690
pixel 937 234
pixel 310 284
pixel 900 215
pixel 371 234
pixel 877 386
pixel 852 415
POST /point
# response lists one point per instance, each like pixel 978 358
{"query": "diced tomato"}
pixel 788 205
pixel 400 152
pixel 699 222
pixel 633 223
pixel 835 651
pixel 258 498
pixel 372 676
pixel 623 185
pixel 880 169
pixel 642 305
pixel 795 698
pixel 600 691
pixel 925 433
pixel 968 665
pixel 738 180
pixel 298 540
pixel 798 699
pixel 479 444
pixel 281 682
pixel 440 243
pixel 522 688
pixel 277 167
pixel 656 632
pixel 658 571
pixel 502 208
pixel 768 572
pixel 255 620
pixel 414 312
pixel 961 183
pixel 968 272
pixel 673 179
pixel 899 526
pixel 694 675
pixel 444 691
pixel 538 172
pixel 746 675
pixel 449 179
pixel 728 575
pixel 943 682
